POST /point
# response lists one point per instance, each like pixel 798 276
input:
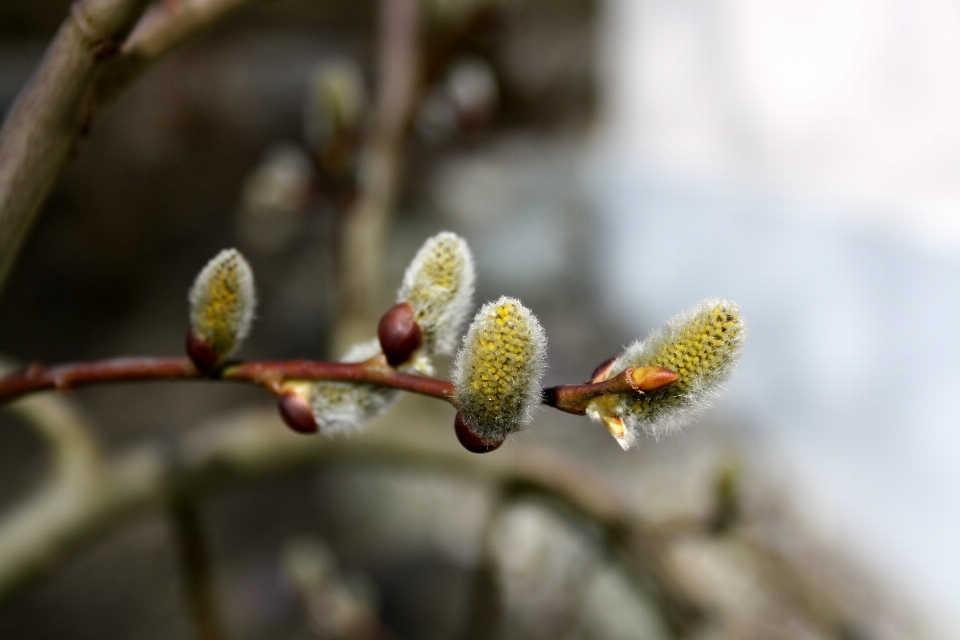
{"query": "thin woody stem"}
pixel 197 567
pixel 574 398
pixel 272 374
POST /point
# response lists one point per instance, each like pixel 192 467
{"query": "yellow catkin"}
pixel 702 345
pixel 340 407
pixel 438 284
pixel 222 302
pixel 498 370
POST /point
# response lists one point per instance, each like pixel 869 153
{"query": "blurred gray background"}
pixel 801 157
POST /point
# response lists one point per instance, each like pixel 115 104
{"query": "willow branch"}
pixel 42 127
pixel 87 65
pixel 366 224
pixel 574 398
pixel 52 526
pixel 272 374
pixel 197 569
pixel 163 27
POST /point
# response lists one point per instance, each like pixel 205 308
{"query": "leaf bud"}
pixel 222 302
pixel 497 372
pixel 438 284
pixel 399 334
pixel 681 367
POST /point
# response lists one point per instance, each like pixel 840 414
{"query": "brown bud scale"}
pixel 469 438
pixel 296 412
pixel 202 355
pixel 400 335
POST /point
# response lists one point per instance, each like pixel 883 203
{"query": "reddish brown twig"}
pixel 573 398
pixel 272 374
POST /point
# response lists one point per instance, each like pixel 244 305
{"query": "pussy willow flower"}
pixel 222 302
pixel 340 407
pixel 438 284
pixel 702 345
pixel 498 370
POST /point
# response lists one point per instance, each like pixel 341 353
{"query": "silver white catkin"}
pixel 438 284
pixel 703 345
pixel 497 372
pixel 223 301
pixel 342 407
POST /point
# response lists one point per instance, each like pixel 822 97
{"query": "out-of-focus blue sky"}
pixel 802 157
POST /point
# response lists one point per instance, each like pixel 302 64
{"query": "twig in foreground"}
pixel 272 374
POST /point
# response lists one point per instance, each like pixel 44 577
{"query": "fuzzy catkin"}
pixel 702 345
pixel 438 284
pixel 340 407
pixel 222 302
pixel 497 372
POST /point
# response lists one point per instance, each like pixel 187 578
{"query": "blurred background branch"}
pixel 80 73
pixel 363 239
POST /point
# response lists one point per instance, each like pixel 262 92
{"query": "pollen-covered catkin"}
pixel 438 284
pixel 340 407
pixel 498 370
pixel 222 302
pixel 702 345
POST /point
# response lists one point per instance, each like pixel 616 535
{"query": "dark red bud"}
pixel 296 412
pixel 399 334
pixel 202 355
pixel 470 440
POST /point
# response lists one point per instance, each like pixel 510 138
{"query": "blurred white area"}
pixel 802 157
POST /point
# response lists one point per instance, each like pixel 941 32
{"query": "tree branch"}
pixel 271 374
pixel 366 224
pixel 42 127
pixel 65 377
pixel 163 27
pixel 85 67
pixel 50 527
pixel 197 569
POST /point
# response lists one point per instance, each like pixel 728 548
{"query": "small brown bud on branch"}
pixel 204 358
pixel 295 409
pixel 470 440
pixel 400 335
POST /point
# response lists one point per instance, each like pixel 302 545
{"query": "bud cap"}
pixel 498 370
